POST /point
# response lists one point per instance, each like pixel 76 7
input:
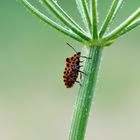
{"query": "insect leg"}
pixel 81 61
pixel 85 57
pixel 80 76
pixel 78 83
pixel 82 72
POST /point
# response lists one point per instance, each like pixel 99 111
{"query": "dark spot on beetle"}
pixel 72 58
pixel 68 65
pixel 78 53
pixel 77 63
pixel 67 59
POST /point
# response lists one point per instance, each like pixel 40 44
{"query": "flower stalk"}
pixel 110 16
pixel 123 27
pixel 47 20
pixel 64 20
pixel 94 18
pixel 84 12
pixel 69 19
pixel 94 39
pixel 86 93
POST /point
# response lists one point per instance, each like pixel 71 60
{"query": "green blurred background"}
pixel 34 103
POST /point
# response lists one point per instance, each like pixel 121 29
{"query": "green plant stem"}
pixel 131 27
pixel 82 8
pixel 117 32
pixel 110 16
pixel 53 24
pixel 87 16
pixel 65 21
pixel 85 95
pixel 91 67
pixel 55 4
pixel 94 19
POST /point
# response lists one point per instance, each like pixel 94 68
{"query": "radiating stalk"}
pixel 65 21
pixel 81 10
pixel 47 20
pixel 122 27
pixel 85 95
pixel 110 16
pixel 87 16
pixel 94 19
pixel 55 4
pixel 130 27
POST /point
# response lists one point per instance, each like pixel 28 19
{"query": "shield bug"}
pixel 72 68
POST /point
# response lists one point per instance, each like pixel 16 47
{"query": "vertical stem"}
pixel 85 95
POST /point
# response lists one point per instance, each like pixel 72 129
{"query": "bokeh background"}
pixel 34 103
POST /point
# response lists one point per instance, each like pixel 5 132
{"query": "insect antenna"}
pixel 71 47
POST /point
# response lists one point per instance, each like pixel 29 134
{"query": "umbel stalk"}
pixel 85 95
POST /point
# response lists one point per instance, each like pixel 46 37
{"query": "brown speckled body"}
pixel 71 71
